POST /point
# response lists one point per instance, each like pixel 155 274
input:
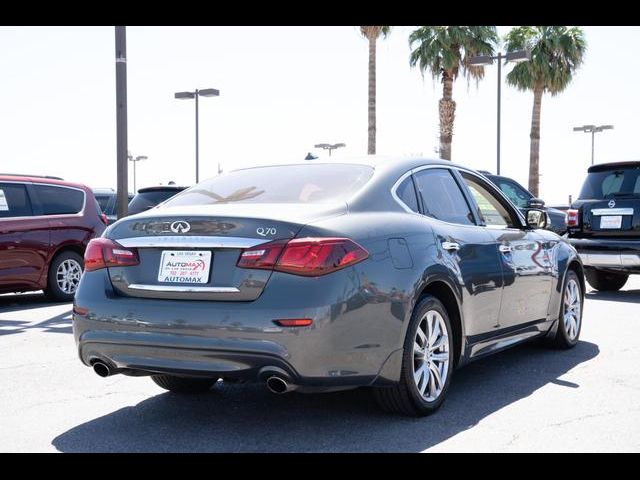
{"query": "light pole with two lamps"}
pixel 135 160
pixel 329 146
pixel 592 129
pixel 206 92
pixel 515 57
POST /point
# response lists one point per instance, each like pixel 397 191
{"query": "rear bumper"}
pixel 349 344
pixel 622 255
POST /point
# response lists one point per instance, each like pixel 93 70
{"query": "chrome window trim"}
pixel 612 211
pixel 194 241
pixel 57 215
pixel 451 167
pixel 182 288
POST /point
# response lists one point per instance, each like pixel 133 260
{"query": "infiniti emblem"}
pixel 612 203
pixel 180 226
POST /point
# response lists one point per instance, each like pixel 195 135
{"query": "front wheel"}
pixel 570 317
pixel 184 384
pixel 427 363
pixel 605 281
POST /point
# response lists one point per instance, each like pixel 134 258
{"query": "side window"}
pixel 490 209
pixel 14 201
pixel 59 200
pixel 407 193
pixel 442 197
pixel 514 193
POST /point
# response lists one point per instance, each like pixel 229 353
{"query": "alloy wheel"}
pixel 572 306
pixel 431 355
pixel 68 276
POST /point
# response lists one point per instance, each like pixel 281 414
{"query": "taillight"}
pixel 571 219
pixel 309 257
pixel 102 253
pixel 103 217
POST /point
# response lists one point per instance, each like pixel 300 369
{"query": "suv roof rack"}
pixel 28 175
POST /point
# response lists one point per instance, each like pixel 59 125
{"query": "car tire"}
pixel 605 281
pixel 184 384
pixel 63 276
pixel 570 315
pixel 415 394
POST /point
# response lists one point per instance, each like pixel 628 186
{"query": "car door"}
pixel 463 246
pixel 524 255
pixel 24 239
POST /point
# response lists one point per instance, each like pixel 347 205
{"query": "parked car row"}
pixel 146 198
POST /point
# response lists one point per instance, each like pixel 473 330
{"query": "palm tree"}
pixel 556 53
pixel 372 34
pixel 445 52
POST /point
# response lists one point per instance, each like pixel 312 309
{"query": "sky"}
pixel 283 90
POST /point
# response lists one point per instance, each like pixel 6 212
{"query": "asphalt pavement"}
pixel 528 398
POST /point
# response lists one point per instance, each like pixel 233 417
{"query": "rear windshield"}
pixel 315 183
pixel 623 182
pixel 146 200
pixel 103 201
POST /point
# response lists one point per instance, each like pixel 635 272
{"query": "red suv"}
pixel 45 226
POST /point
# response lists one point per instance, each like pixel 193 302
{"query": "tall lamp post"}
pixel 135 160
pixel 206 92
pixel 122 197
pixel 592 129
pixel 515 57
pixel 329 146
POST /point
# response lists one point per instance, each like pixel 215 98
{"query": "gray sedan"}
pixel 386 273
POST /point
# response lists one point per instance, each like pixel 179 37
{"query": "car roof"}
pixel 162 188
pixel 37 179
pixel 601 167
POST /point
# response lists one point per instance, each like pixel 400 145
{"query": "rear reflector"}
pixel 102 253
pixel 80 310
pixel 310 257
pixel 294 322
pixel 571 218
pixel 104 219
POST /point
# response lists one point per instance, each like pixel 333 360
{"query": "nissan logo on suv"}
pixel 180 226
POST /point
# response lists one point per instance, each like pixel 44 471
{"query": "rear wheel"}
pixel 570 318
pixel 427 363
pixel 184 384
pixel 605 281
pixel 63 277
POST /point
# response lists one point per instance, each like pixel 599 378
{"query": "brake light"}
pixel 571 218
pixel 293 322
pixel 104 219
pixel 102 253
pixel 310 257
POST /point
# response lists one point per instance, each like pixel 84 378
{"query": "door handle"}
pixel 504 248
pixel 450 246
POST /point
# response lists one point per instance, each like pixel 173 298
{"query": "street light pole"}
pixel 329 146
pixel 592 129
pixel 514 57
pixel 135 161
pixel 205 92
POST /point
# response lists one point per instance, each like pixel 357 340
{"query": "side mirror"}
pixel 535 203
pixel 536 218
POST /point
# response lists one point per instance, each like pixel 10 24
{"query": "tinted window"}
pixel 624 182
pixel 314 183
pixel 442 197
pixel 490 208
pixel 407 193
pixel 14 201
pixel 59 200
pixel 514 192
pixel 103 201
pixel 145 200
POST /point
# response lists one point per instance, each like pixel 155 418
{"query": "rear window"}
pixel 103 201
pixel 145 200
pixel 316 183
pixel 59 200
pixel 14 201
pixel 623 182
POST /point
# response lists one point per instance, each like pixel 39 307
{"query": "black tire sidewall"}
pixel 53 291
pixel 605 281
pixel 564 340
pixel 427 303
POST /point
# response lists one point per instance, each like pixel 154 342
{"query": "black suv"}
pixel 149 197
pixel 524 199
pixel 107 199
pixel 604 224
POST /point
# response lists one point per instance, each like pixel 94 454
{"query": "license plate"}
pixel 611 221
pixel 185 266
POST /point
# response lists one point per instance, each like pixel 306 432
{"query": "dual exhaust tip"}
pixel 275 383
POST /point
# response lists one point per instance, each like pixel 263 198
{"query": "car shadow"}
pixel 247 418
pixel 628 296
pixel 25 301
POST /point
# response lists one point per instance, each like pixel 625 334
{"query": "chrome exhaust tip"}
pixel 104 370
pixel 279 385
